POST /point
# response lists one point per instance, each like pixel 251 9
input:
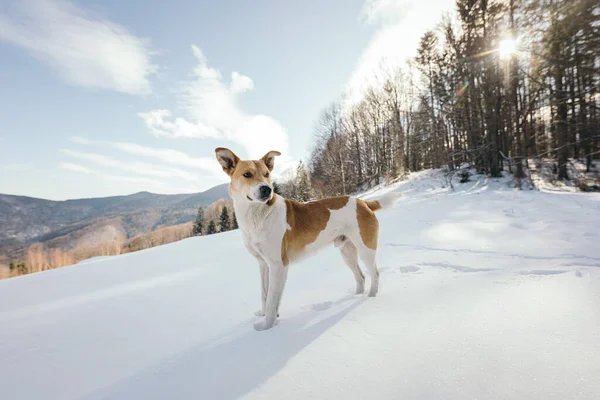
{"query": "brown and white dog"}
pixel 279 232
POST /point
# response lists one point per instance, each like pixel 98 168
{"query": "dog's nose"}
pixel 265 192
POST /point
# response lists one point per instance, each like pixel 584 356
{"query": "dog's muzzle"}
pixel 265 192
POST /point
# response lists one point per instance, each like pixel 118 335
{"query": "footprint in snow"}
pixel 542 272
pixel 409 268
pixel 322 306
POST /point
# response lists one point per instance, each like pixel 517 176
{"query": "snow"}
pixel 486 292
pixel 543 176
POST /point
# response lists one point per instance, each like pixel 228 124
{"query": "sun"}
pixel 507 48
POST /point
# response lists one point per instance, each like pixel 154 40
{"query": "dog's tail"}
pixel 387 201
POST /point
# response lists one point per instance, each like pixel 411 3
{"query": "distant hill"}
pixel 64 224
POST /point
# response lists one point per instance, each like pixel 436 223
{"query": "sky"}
pixel 116 97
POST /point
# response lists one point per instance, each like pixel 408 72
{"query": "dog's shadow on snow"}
pixel 234 364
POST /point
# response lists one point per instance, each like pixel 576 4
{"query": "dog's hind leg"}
pixel 350 256
pixel 365 239
pixel 368 257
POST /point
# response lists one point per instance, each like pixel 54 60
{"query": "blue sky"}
pixel 114 97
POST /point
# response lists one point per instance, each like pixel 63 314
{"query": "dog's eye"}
pixel 247 175
pixel 267 175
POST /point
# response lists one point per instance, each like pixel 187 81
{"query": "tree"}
pixel 297 184
pixel 213 211
pixel 37 257
pixel 303 183
pixel 198 223
pixel 330 160
pixel 234 223
pixel 212 228
pixel 225 223
pixel 501 83
pixel 22 268
pixel 427 57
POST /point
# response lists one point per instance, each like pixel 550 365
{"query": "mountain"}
pixel 486 292
pixel 24 220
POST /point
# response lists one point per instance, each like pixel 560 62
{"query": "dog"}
pixel 279 232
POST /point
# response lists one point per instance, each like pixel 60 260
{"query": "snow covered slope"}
pixel 485 293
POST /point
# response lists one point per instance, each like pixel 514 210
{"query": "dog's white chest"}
pixel 263 229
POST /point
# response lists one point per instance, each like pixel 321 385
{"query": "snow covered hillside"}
pixel 486 292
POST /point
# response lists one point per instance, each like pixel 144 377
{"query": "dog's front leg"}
pixel 277 279
pixel 264 285
pixel 264 277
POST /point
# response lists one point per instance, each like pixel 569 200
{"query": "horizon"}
pixel 145 109
pixel 120 195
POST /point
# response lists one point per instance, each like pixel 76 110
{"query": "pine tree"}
pixel 198 223
pixel 21 268
pixel 212 228
pixel 304 186
pixel 225 223
pixel 234 223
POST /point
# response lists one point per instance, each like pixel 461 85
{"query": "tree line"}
pixel 207 224
pixel 500 83
pixel 38 257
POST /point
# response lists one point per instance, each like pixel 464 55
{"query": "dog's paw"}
pixel 260 313
pixel 263 325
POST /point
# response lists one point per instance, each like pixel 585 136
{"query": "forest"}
pixel 496 86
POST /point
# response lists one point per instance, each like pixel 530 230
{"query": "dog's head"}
pixel 250 179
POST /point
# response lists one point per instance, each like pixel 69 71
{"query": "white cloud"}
pixel 385 11
pixel 85 49
pixel 132 179
pixel 401 23
pixel 207 100
pixel 240 83
pixel 158 123
pixel 116 178
pixel 170 156
pixel 133 167
pixel 95 158
pixel 211 111
pixel 80 140
pixel 162 155
pixel 191 188
pixel 75 167
pixel 261 134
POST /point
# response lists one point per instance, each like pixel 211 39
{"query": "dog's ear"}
pixel 269 159
pixel 227 159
